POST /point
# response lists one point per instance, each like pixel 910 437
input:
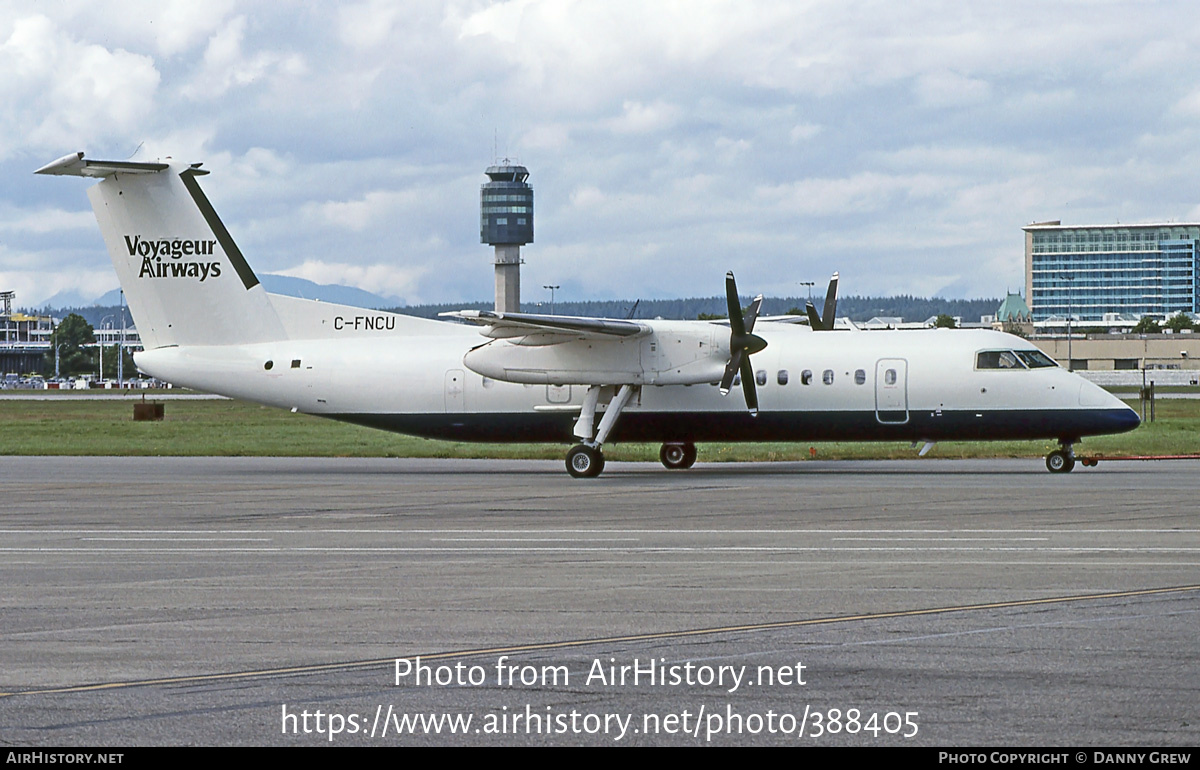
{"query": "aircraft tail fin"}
pixel 185 279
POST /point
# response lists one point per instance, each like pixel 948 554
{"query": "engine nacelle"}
pixel 673 354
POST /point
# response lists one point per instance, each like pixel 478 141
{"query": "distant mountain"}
pixel 275 284
pixel 341 295
pixel 71 298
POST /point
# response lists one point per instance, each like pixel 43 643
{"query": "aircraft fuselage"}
pixel 844 386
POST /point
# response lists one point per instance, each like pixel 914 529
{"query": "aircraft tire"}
pixel 584 462
pixel 1059 461
pixel 677 456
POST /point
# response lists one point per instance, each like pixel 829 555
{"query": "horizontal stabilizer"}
pixel 76 165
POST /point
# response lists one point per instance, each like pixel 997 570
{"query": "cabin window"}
pixel 268 365
pixel 782 377
pixel 860 377
pixel 806 377
pixel 827 377
pixel 889 377
pixel 295 363
pixel 761 376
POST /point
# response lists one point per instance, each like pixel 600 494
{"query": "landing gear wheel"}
pixel 678 456
pixel 1059 461
pixel 584 462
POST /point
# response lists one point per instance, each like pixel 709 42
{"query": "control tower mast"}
pixel 506 223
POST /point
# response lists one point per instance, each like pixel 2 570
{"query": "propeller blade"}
pixel 735 308
pixel 814 320
pixel 824 323
pixel 742 344
pixel 748 388
pixel 752 314
pixel 830 303
pixel 731 369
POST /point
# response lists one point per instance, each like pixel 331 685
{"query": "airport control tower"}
pixel 506 222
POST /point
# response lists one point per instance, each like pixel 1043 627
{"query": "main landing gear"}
pixel 1062 460
pixel 586 460
pixel 678 456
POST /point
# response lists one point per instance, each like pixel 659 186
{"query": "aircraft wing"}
pixel 507 325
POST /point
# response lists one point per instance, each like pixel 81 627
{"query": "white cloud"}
pixel 587 197
pixel 388 280
pixel 802 132
pixel 46 220
pixel 947 89
pixel 62 93
pixel 638 118
pixel 226 65
pixel 373 208
pixel 667 140
pixel 1189 105
pixel 162 27
pixel 370 24
pixel 35 286
pixel 553 137
pixel 859 194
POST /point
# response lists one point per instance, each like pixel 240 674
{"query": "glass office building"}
pixel 1087 271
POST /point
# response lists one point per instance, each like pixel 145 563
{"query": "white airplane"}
pixel 207 323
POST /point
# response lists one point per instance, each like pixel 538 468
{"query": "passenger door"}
pixel 891 391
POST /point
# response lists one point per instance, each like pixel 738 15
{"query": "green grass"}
pixel 236 428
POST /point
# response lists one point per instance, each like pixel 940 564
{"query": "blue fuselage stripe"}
pixel 774 426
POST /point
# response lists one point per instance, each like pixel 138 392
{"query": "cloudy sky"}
pixel 904 144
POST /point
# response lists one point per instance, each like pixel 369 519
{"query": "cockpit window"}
pixel 1035 359
pixel 997 359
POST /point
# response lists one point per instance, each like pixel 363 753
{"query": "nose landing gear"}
pixel 1062 460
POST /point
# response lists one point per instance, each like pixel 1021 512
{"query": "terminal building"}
pixel 1090 272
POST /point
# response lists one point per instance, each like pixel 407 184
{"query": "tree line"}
pixel 75 340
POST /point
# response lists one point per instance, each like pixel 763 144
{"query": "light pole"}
pixel 1070 286
pixel 551 288
pixel 121 346
pixel 101 341
pixel 54 340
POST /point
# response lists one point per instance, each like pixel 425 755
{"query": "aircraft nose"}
pixel 1128 420
pixel 1121 419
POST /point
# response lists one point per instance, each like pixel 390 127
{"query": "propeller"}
pixel 824 323
pixel 742 344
